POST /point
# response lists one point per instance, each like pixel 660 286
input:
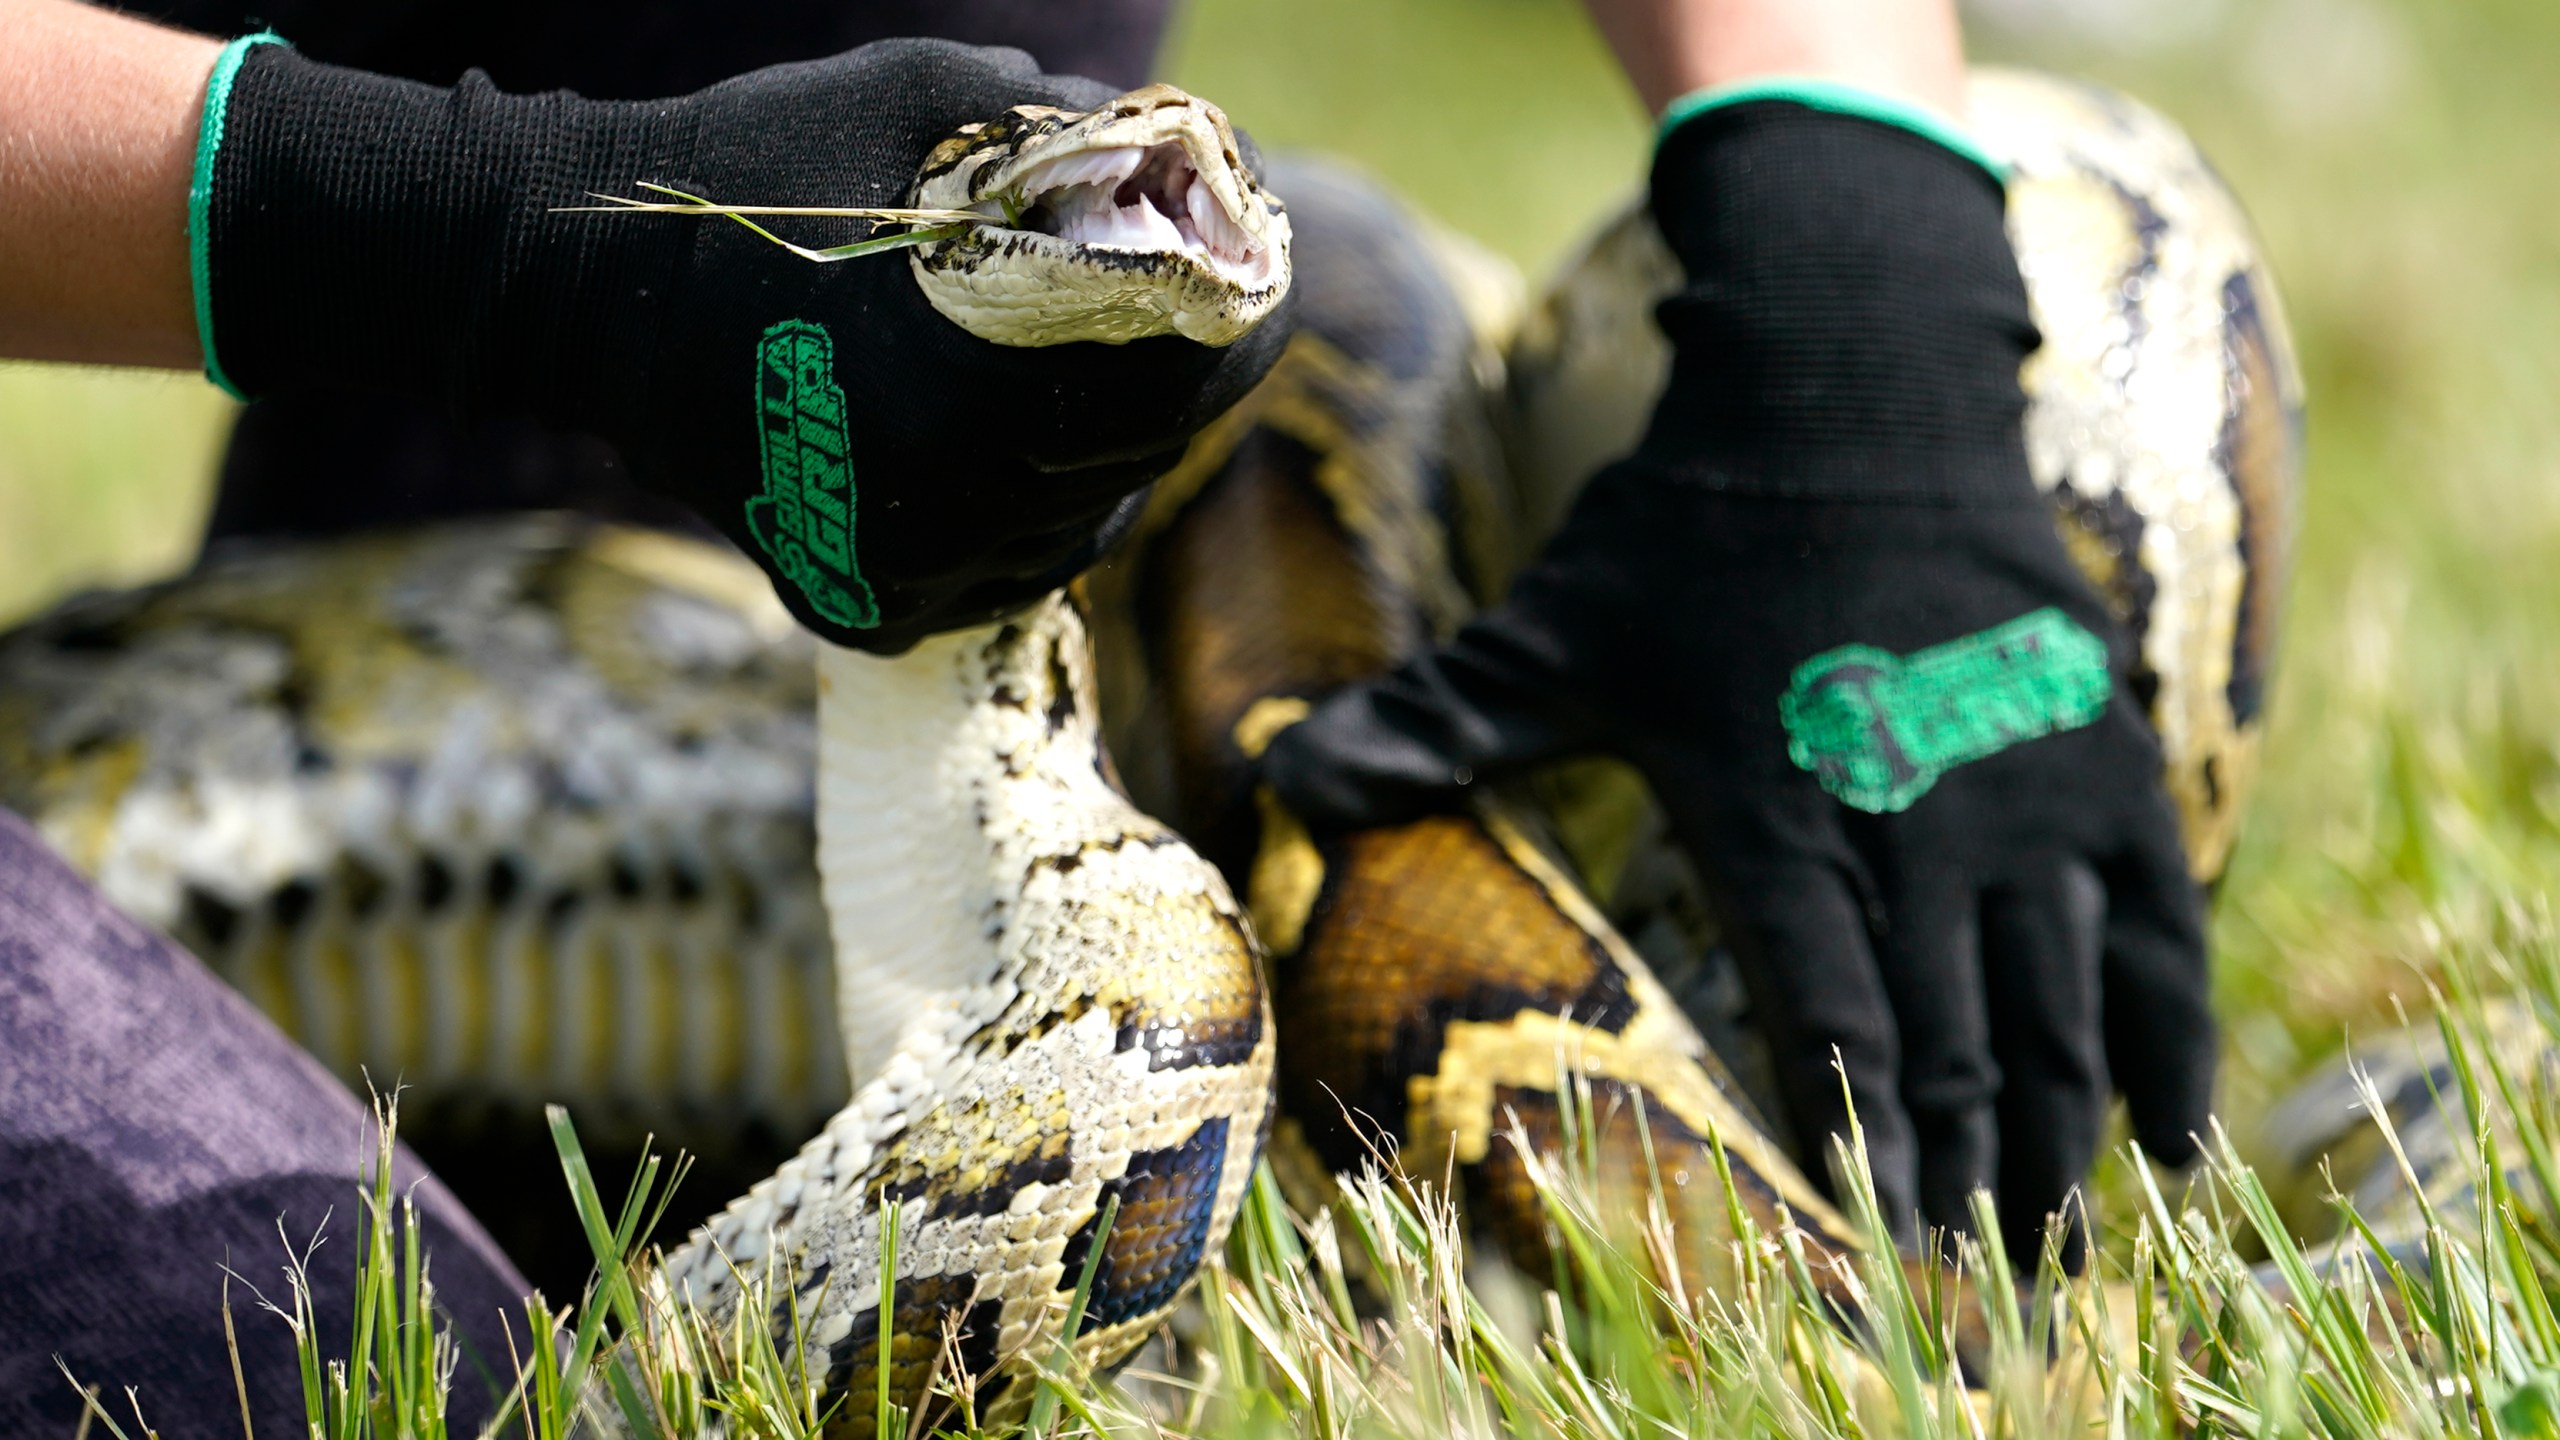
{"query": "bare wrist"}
pixel 1909 50
pixel 98 119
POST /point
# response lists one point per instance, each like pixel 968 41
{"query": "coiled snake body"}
pixel 519 809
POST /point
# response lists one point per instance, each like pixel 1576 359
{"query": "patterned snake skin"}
pixel 2164 412
pixel 522 809
pixel 1432 980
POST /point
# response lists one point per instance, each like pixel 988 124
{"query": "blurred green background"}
pixel 2400 158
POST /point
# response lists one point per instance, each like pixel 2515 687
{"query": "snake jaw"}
pixel 1136 219
pixel 1154 198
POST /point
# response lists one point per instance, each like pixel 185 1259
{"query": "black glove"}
pixel 1826 612
pixel 369 233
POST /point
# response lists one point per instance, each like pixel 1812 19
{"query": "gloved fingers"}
pixel 1059 409
pixel 928 87
pixel 2041 938
pixel 1068 92
pixel 975 591
pixel 2156 988
pixel 1800 933
pixel 1089 403
pixel 1928 948
pixel 1412 741
pixel 1035 507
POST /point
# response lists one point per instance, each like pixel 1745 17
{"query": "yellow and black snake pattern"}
pixel 535 808
pixel 1432 981
pixel 499 812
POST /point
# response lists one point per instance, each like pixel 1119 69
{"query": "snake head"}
pixel 1138 218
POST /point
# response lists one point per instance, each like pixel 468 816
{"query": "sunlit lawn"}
pixel 2401 160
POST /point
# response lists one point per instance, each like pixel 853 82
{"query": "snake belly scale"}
pixel 1056 999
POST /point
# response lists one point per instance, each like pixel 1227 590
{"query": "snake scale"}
pixel 523 808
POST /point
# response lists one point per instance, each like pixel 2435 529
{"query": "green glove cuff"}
pixel 217 100
pixel 1836 98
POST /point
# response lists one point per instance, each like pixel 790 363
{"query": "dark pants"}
pixel 154 1130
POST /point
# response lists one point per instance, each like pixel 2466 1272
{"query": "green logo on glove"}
pixel 1878 729
pixel 804 518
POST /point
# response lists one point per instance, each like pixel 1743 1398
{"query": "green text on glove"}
pixel 804 518
pixel 1878 729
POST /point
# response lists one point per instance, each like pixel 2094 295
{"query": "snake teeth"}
pixel 1142 198
pixel 1135 219
pixel 1151 197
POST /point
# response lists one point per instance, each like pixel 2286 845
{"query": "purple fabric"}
pixel 154 1128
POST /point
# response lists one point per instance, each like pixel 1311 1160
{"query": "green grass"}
pixel 103 477
pixel 1363 1321
pixel 2394 157
pixel 2397 155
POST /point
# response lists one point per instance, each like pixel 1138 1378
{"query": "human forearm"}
pixel 1905 49
pixel 98 117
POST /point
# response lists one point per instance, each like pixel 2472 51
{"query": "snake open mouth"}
pixel 1150 199
pixel 1136 218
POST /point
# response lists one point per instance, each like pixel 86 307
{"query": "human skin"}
pixel 99 111
pixel 98 115
pixel 1908 49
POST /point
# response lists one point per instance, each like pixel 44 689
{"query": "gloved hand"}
pixel 361 232
pixel 1825 611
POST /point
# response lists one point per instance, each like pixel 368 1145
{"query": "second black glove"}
pixel 1825 611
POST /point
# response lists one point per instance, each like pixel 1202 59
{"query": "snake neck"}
pixel 955 784
pixel 943 775
pixel 1046 999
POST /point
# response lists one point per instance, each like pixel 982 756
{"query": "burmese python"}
pixel 518 809
pixel 1429 979
pixel 1053 1006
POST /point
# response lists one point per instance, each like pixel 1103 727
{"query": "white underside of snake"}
pixel 1046 997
